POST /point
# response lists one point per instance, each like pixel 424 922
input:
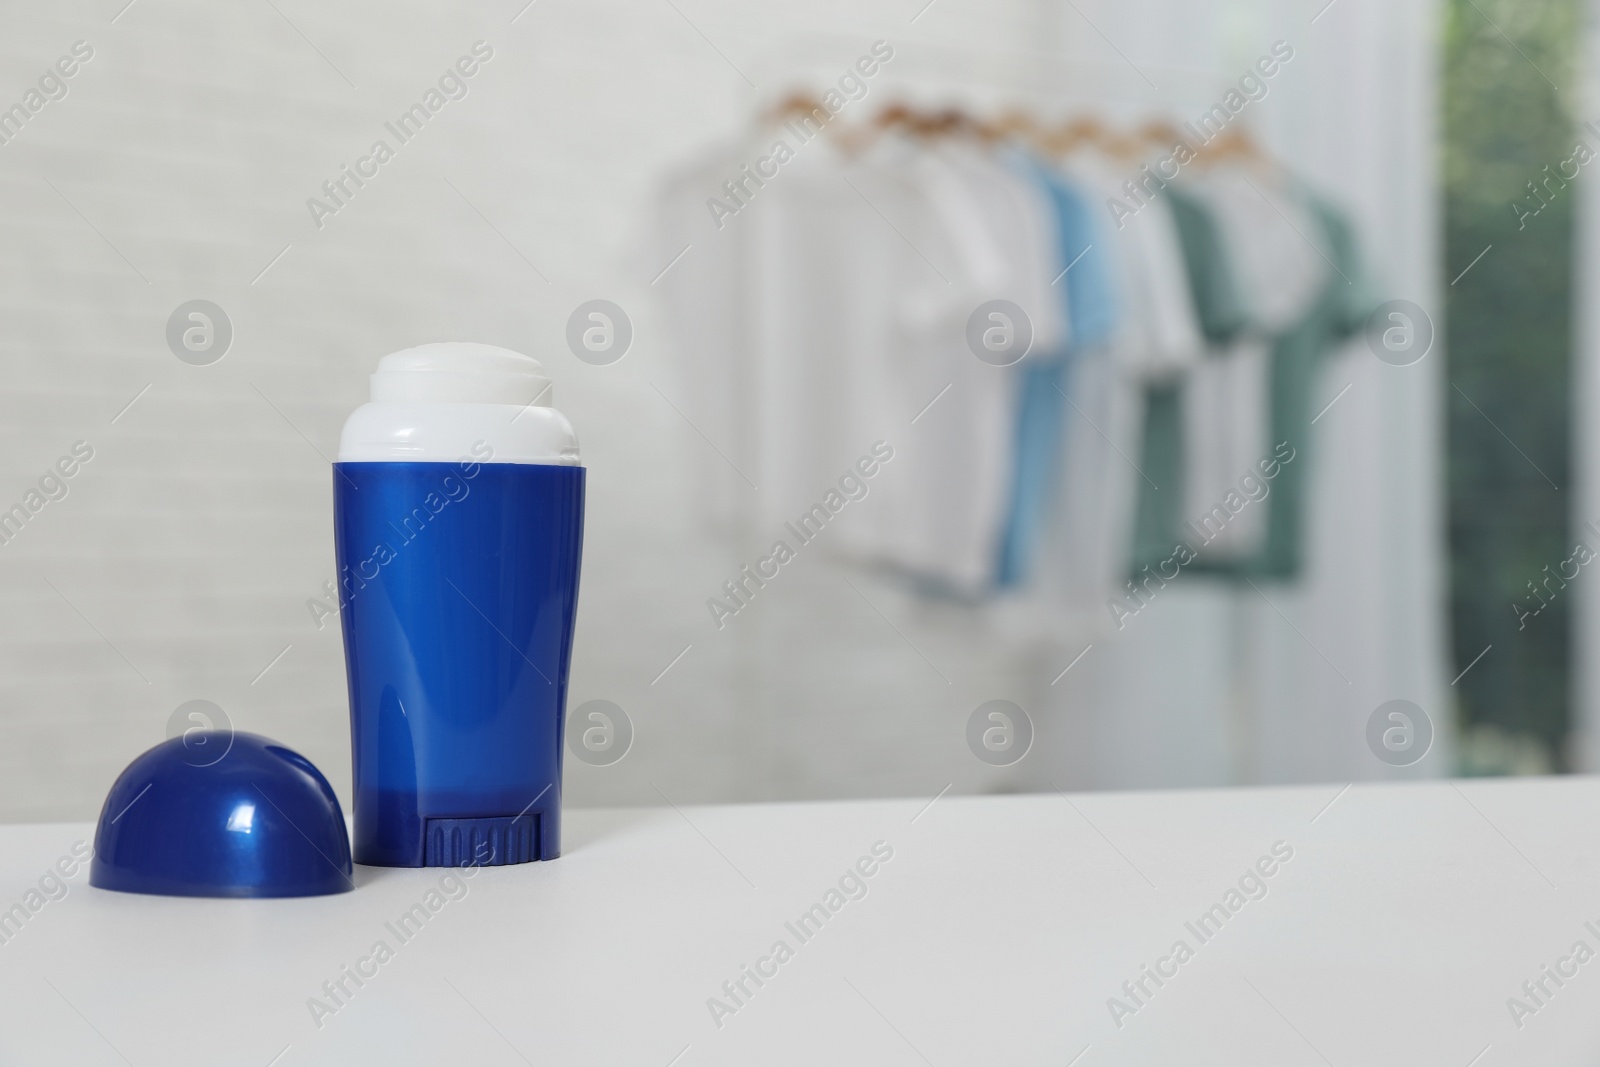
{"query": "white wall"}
pixel 178 167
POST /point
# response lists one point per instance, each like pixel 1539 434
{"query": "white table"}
pixel 996 934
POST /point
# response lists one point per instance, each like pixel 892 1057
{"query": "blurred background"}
pixel 1270 469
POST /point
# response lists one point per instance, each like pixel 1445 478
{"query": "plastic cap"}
pixel 219 814
pixel 460 372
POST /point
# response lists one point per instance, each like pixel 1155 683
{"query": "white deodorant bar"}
pixel 442 403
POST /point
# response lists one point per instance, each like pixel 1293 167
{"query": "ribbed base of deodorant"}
pixel 491 842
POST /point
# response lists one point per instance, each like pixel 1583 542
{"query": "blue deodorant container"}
pixel 458 530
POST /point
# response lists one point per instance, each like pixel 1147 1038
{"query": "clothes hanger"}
pixel 1068 137
pixel 789 106
pixel 1016 122
pixel 1233 145
pixel 1236 146
pixel 1161 133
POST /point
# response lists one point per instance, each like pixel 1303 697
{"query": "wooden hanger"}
pixel 1234 145
pixel 793 106
pixel 1162 133
pixel 1070 136
pixel 1016 122
pixel 1084 131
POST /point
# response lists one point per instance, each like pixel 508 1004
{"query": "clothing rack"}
pixel 1030 485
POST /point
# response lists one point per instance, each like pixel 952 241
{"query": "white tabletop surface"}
pixel 996 933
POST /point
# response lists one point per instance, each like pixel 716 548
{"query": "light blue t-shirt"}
pixel 1089 294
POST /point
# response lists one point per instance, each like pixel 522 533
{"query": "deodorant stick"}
pixel 458 531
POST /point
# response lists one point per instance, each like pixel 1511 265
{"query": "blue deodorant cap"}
pixel 215 813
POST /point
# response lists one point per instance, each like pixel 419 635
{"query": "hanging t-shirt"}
pixel 1085 286
pixel 1266 232
pixel 963 449
pixel 957 230
pixel 1337 311
pixel 1219 309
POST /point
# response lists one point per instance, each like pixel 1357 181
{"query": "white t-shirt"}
pixel 1227 401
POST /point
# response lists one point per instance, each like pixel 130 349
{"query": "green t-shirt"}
pixel 1339 311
